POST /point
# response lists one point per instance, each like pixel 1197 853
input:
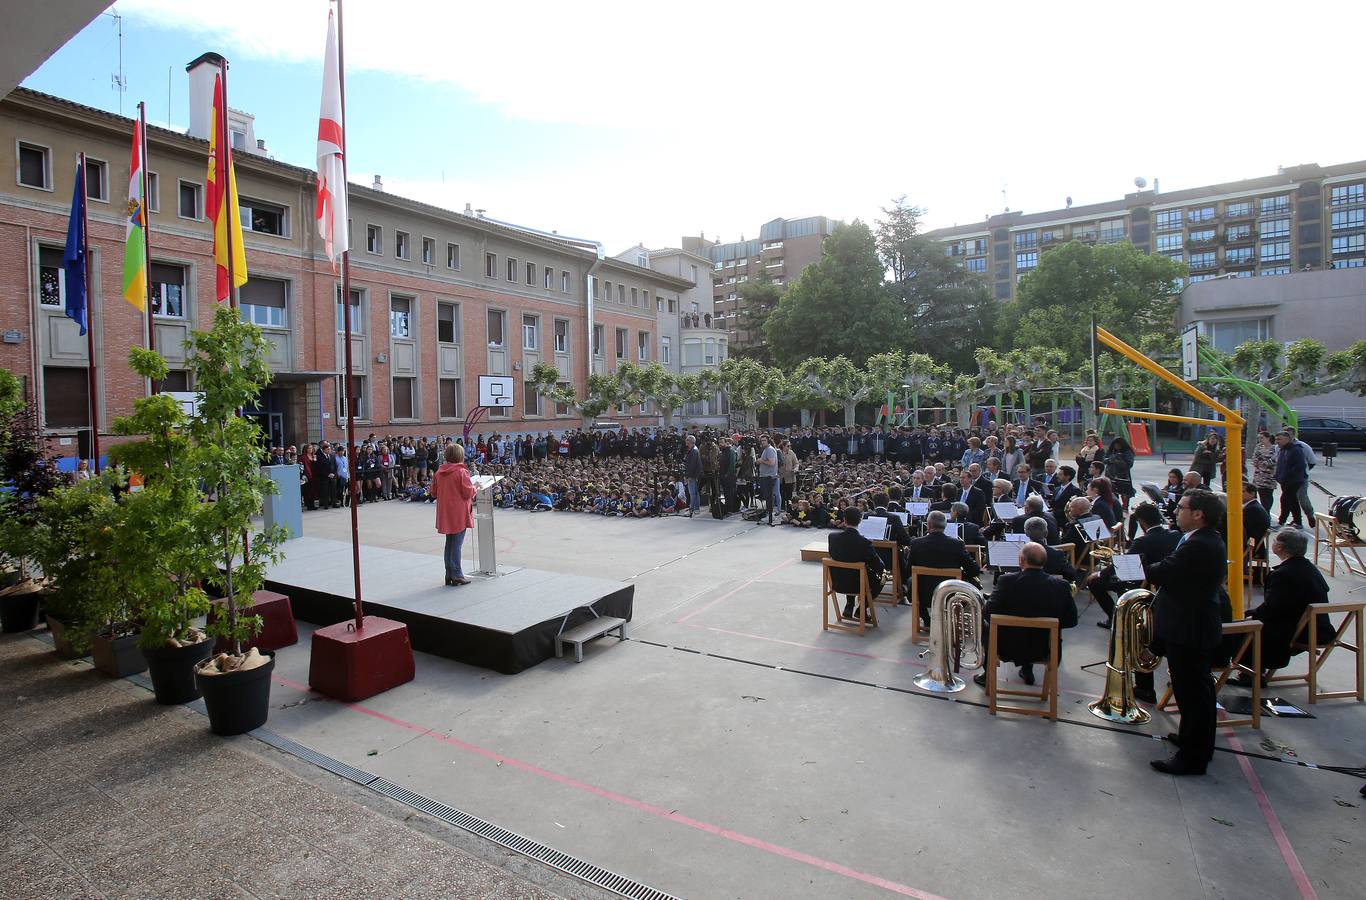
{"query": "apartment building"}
pixel 1303 217
pixel 783 249
pixel 437 297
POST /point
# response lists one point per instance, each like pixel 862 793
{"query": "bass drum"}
pixel 1350 513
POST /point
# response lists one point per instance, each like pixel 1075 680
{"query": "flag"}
pixel 135 240
pixel 222 197
pixel 331 212
pixel 73 259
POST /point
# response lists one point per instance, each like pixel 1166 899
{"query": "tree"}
pixel 1129 292
pixel 839 306
pixel 24 466
pixel 743 381
pixel 603 391
pixel 830 384
pixel 758 298
pixel 920 374
pixel 1020 370
pixel 959 392
pixel 948 311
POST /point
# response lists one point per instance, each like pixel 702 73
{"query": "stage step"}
pixel 580 634
pixel 816 551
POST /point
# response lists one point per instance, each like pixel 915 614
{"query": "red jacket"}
pixel 454 491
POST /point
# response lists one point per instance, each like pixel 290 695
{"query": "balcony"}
pixel 1051 238
pixel 1238 213
pixel 1113 237
pixel 1088 237
pixel 1267 212
pixel 1238 261
pixel 1199 265
pixel 1203 241
pixel 1239 236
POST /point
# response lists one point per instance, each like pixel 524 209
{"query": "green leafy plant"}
pixel 25 469
pixel 74 540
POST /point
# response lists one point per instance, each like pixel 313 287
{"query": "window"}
pixel 977 264
pixel 168 290
pixel 1352 243
pixel 51 277
pixel 1240 209
pixel 495 327
pixel 1112 230
pixel 721 350
pixel 692 352
pixel 561 336
pixel 1235 233
pixel 1024 240
pixel 428 251
pixel 453 256
pixel 671 305
pixel 1272 228
pixel 531 399
pixel 191 203
pixel 1273 270
pixel 490 265
pixel 153 192
pixel 665 350
pixel 635 298
pixel 659 304
pixel 1204 260
pixel 512 270
pixel 606 290
pixel 1275 206
pixel 1168 220
pixel 955 248
pixel 400 317
pixel 564 282
pixel 598 337
pixel 548 279
pixel 643 346
pixel 1196 279
pixel 239 139
pixel 1348 218
pixel 730 296
pixel 97 179
pixel 1238 256
pixel 1227 335
pixel 1200 214
pixel 621 294
pixel 448 389
pixel 621 343
pixel 402 244
pixel 1203 236
pixel 35 166
pixel 531 274
pixel 1272 251
pixel 403 399
pixel 355 402
pixel 1355 262
pixel 977 247
pixel 261 217
pixel 1168 242
pixel 175 380
pixel 562 409
pixel 374 239
pixel 1342 194
pixel 1025 261
pixel 447 323
pixel 262 301
pixel 357 320
pixel 531 333
pixel 66 397
pixel 694 274
pixel 709 354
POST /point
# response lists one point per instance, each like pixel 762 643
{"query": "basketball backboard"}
pixel 496 390
pixel 1190 353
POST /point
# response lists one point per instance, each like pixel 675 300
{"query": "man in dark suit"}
pixel 969 533
pixel 895 530
pixel 936 550
pixel 1290 588
pixel 1256 519
pixel 948 495
pixel 1034 508
pixel 989 476
pixel 971 494
pixel 1187 628
pixel 1063 491
pixel 1023 485
pixel 1034 593
pixel 1059 563
pixel 847 545
pixel 919 492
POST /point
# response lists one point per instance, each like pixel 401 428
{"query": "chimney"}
pixel 378 185
pixel 469 211
pixel 261 147
pixel 202 70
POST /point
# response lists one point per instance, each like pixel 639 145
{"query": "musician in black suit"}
pixel 1290 588
pixel 1059 563
pixel 847 545
pixel 992 472
pixel 1034 593
pixel 948 495
pixel 1071 532
pixel 1064 490
pixel 919 492
pixel 1187 628
pixel 895 530
pixel 969 532
pixel 1034 508
pixel 1256 519
pixel 971 494
pixel 936 550
pixel 1024 485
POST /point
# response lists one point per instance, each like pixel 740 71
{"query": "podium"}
pixel 485 550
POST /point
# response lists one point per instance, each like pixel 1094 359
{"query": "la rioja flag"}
pixel 331 212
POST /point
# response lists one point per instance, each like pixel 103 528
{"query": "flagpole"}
pixel 147 231
pixel 90 327
pixel 226 137
pixel 347 379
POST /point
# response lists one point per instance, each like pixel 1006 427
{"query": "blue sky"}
pixel 632 122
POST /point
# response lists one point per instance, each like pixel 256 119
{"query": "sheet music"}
pixel 952 529
pixel 874 528
pixel 1016 538
pixel 1128 567
pixel 918 508
pixel 1006 511
pixel 904 517
pixel 1005 554
pixel 1095 529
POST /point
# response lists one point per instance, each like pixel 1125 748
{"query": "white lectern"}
pixel 483 524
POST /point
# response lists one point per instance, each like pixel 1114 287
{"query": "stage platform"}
pixel 507 623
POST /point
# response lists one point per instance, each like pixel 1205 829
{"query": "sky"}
pixel 643 122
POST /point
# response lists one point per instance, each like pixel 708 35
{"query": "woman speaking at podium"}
pixel 453 491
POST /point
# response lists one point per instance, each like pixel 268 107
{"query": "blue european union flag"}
pixel 73 260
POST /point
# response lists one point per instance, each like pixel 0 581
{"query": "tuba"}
pixel 955 632
pixel 1131 631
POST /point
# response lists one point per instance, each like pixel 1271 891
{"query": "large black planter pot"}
pixel 172 671
pixel 19 611
pixel 117 657
pixel 61 640
pixel 237 701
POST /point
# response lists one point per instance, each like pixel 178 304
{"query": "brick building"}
pixel 438 297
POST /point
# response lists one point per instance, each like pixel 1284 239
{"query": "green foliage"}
pixel 744 382
pixel 1131 293
pixel 839 306
pixel 11 395
pixel 75 541
pixel 24 466
pixel 758 299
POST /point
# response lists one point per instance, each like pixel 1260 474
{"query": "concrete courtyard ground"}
pixel 731 748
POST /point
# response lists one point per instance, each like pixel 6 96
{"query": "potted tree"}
pixel 26 476
pixel 228 364
pixel 161 523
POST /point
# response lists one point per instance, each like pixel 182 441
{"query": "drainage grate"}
pixel 335 766
pixel 572 865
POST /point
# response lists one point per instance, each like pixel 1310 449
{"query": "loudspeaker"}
pixel 85 444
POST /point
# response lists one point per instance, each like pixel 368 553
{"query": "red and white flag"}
pixel 331 212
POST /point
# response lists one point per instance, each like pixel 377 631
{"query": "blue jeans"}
pixel 694 495
pixel 453 544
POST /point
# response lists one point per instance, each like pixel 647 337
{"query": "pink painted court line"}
pixel 1273 823
pixel 638 805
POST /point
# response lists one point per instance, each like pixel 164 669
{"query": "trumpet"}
pixel 955 636
pixel 1131 631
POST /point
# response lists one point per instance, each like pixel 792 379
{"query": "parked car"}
pixel 1317 432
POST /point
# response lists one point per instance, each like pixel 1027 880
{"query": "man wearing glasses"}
pixel 1187 627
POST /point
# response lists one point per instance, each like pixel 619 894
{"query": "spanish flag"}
pixel 223 204
pixel 135 242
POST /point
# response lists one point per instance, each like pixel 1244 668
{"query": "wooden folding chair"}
pixel 978 554
pixel 1251 630
pixel 831 598
pixel 1252 564
pixel 1070 550
pixel 920 635
pixel 893 584
pixel 1048 690
pixel 1317 653
pixel 1340 544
